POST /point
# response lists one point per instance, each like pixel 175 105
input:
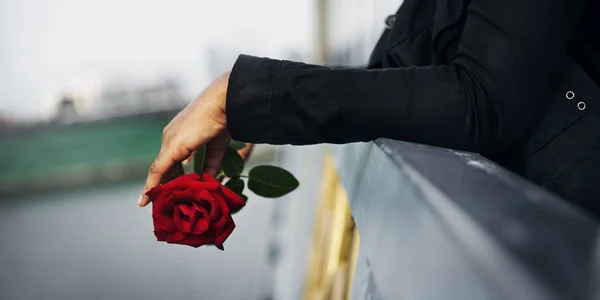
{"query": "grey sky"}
pixel 46 45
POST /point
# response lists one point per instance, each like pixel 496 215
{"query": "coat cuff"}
pixel 249 103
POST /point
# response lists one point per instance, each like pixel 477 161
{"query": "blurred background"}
pixel 86 87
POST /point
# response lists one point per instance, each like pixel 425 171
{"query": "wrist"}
pixel 222 86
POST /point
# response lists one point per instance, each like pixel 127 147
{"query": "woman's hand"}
pixel 202 122
pixel 246 151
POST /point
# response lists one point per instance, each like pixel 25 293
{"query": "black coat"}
pixel 514 80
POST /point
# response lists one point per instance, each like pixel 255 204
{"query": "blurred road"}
pixel 93 243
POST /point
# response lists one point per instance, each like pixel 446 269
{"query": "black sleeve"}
pixel 481 102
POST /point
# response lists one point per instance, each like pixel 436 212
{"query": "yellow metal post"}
pixel 335 242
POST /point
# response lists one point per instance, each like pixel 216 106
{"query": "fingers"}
pixel 246 151
pixel 159 167
pixel 215 150
pixel 189 159
pixel 202 121
pixel 175 171
pixel 164 165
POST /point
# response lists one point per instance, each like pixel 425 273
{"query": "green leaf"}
pixel 232 163
pixel 236 185
pixel 220 175
pixel 236 145
pixel 199 159
pixel 271 181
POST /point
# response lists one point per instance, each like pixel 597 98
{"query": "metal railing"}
pixel 436 223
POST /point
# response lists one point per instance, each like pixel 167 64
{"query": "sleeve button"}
pixel 390 21
pixel 570 95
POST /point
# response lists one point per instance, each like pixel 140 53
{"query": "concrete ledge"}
pixel 443 224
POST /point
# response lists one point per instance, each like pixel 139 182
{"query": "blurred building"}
pixel 117 98
pixel 4 121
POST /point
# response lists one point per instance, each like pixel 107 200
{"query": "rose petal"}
pixel 154 192
pixel 215 210
pixel 178 197
pixel 163 223
pixel 201 225
pixel 184 182
pixel 199 194
pixel 208 178
pixel 199 240
pixel 158 203
pixel 174 198
pixel 176 237
pixel 219 240
pixel 210 186
pixel 191 176
pixel 184 225
pixel 187 209
pixel 201 209
pixel 225 214
pixel 203 200
pixel 201 221
pixel 160 236
pixel 234 200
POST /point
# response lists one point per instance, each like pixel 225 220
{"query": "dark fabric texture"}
pixel 483 76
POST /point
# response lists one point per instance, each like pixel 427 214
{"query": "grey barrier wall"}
pixel 293 218
pixel 436 223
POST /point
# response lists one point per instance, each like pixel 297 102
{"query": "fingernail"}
pixel 139 202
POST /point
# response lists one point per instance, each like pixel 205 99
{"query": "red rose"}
pixel 193 211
